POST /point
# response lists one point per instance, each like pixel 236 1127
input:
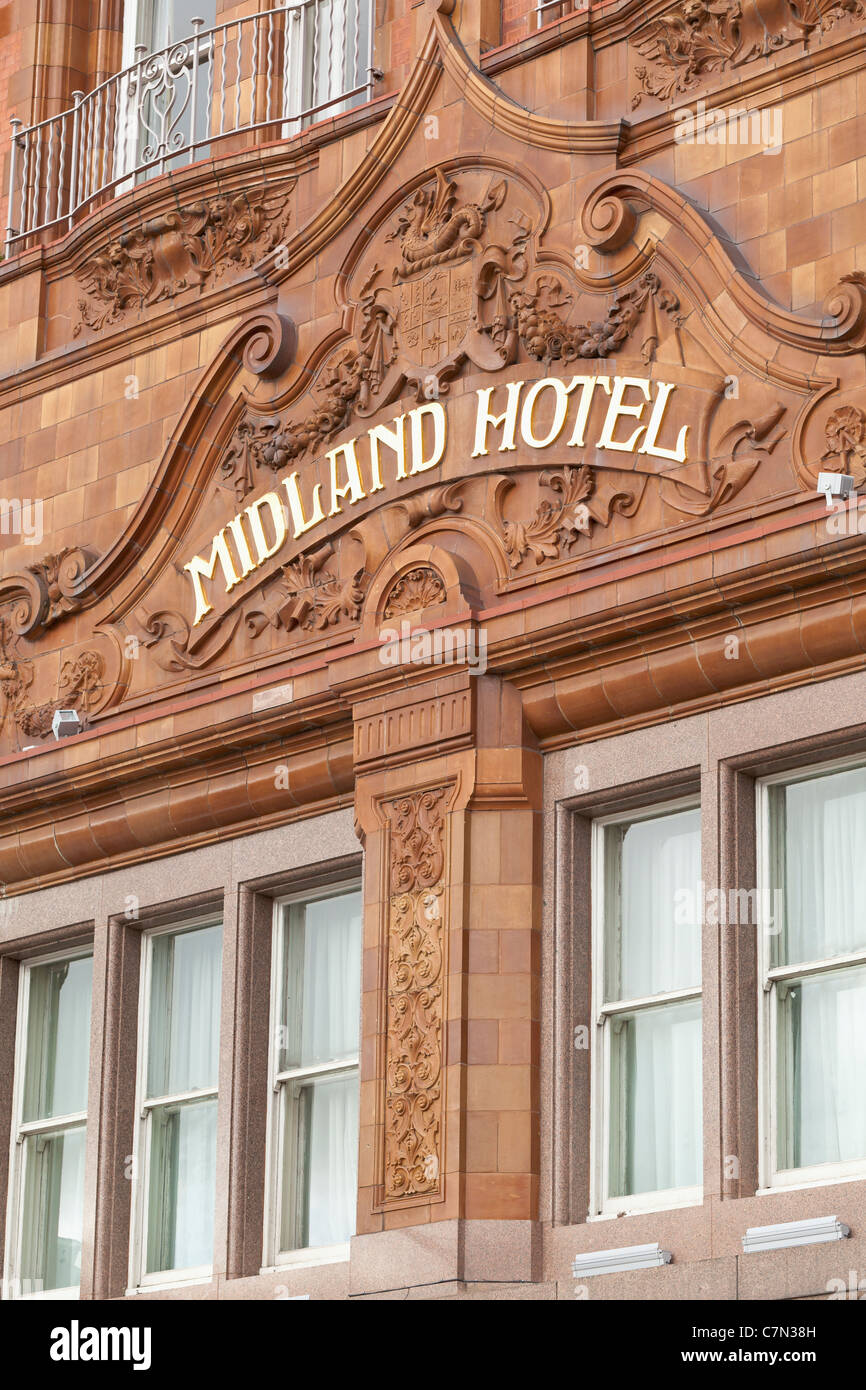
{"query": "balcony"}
pixel 259 78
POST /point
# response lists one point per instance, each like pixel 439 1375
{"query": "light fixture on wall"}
pixel 619 1259
pixel 65 723
pixel 835 485
pixel 813 1231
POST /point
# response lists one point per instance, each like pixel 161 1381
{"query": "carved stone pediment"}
pixel 483 391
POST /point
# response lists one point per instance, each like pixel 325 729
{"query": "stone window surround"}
pixel 718 755
pixel 235 880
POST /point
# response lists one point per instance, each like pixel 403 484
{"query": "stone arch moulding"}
pixel 263 346
pixel 445 584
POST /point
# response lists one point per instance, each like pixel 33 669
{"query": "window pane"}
pixel 322 1135
pixel 321 982
pixel 58 1039
pixel 652 906
pixel 171 20
pixel 182 1186
pixel 52 1210
pixel 183 1040
pixel 822 1059
pixel 655 1099
pixel 819 828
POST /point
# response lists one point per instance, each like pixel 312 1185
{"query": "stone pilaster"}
pixel 447 804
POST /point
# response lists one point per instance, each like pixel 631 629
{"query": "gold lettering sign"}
pixel 416 442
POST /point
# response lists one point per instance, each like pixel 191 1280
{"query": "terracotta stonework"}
pixel 504 363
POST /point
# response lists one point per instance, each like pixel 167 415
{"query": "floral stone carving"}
pixel 186 249
pixel 701 37
pixel 548 338
pixel 554 528
pixel 416 1006
pixel 79 687
pixel 310 597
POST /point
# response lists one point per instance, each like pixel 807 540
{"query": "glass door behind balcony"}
pixel 327 59
pixel 167 84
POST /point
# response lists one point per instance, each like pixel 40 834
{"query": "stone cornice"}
pixel 799 620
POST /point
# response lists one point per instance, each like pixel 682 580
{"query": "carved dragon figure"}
pixel 431 230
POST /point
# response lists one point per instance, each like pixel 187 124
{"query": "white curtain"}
pixel 327 51
pixel 826 1016
pixel 52 1211
pixel 333 1160
pixel 825 866
pixel 185 1011
pixel 58 1039
pixel 662 1076
pixel 659 951
pixel 331 979
pixel 170 21
pixel 196 1185
pixel 320 1017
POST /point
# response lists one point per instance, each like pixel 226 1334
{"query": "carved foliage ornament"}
pixel 180 250
pixel 80 686
pixel 556 526
pixel 588 496
pixel 845 433
pixel 415 1006
pixel 309 597
pixel 701 37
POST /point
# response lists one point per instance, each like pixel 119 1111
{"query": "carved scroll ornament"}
pixel 47 590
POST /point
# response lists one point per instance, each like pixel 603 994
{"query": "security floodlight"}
pixel 65 723
pixel 835 485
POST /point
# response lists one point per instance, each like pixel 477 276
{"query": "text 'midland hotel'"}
pixel 432 753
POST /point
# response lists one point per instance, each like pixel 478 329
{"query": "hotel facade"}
pixel 432 684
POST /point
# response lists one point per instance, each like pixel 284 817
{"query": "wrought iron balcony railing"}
pixel 274 72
